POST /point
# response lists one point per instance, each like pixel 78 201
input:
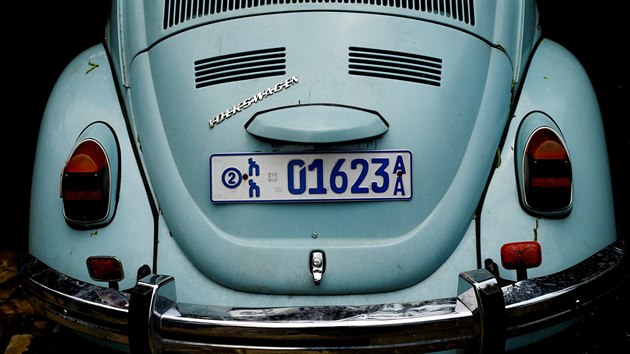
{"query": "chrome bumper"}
pixel 481 318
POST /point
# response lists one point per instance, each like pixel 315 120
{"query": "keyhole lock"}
pixel 318 265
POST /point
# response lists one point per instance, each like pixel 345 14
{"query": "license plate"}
pixel 310 177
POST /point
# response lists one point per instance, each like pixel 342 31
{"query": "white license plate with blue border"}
pixel 310 177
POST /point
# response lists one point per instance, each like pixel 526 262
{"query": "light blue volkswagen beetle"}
pixel 321 176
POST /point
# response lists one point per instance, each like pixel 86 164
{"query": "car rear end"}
pixel 309 176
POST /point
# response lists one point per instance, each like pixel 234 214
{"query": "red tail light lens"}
pixel 521 255
pixel 105 268
pixel 547 172
pixel 86 183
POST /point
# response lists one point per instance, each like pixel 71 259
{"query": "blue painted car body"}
pixel 443 95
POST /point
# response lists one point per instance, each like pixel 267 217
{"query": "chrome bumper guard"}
pixel 480 319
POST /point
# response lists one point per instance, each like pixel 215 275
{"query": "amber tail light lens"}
pixel 86 183
pixel 547 172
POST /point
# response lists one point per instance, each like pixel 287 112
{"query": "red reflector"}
pixel 105 268
pixel 82 195
pixel 521 255
pixel 550 182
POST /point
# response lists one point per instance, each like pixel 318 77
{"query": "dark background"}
pixel 47 35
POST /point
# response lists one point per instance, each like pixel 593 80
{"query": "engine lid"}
pixel 389 92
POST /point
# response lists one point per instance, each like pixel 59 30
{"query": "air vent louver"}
pixel 240 66
pixel 388 64
pixel 180 11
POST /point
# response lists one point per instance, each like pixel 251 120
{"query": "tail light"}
pixel 87 185
pixel 547 172
pixel 543 164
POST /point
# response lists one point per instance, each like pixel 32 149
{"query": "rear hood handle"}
pixel 317 123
